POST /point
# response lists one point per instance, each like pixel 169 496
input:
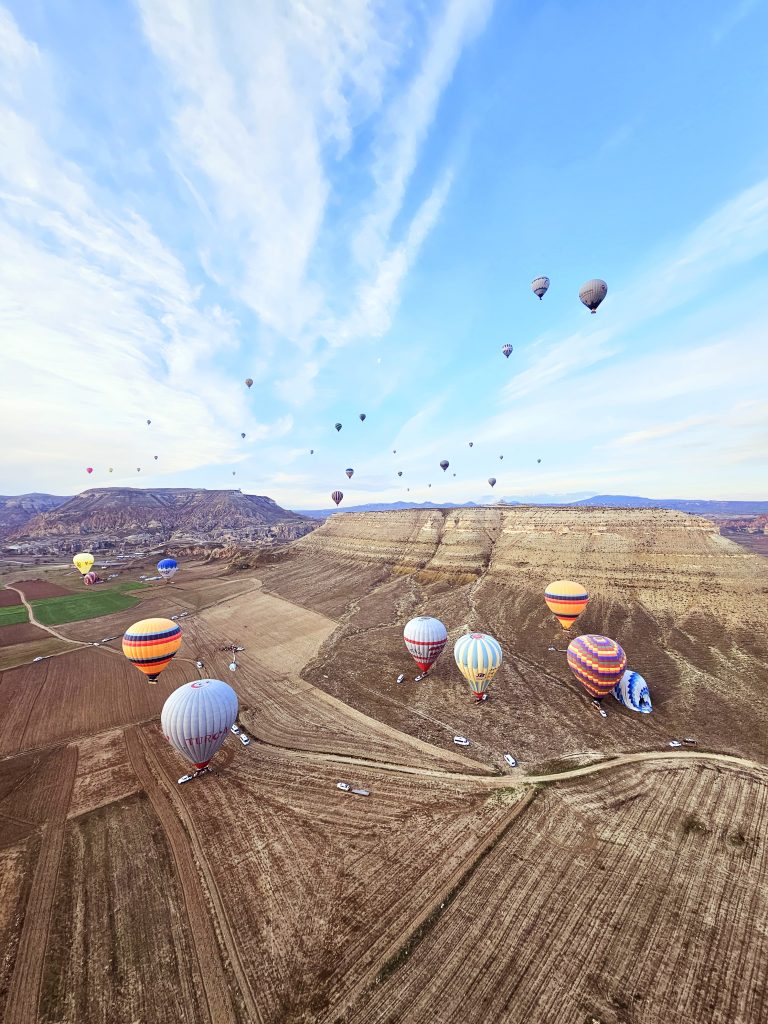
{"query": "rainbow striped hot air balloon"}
pixel 566 600
pixel 425 638
pixel 478 657
pixel 597 662
pixel 151 644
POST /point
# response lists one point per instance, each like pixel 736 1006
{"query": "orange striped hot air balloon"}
pixel 151 644
pixel 566 600
pixel 597 662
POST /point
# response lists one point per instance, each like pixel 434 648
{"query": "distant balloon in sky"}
pixel 538 460
pixel 338 426
pixel 632 691
pixel 394 451
pixel 336 496
pixel 234 473
pixel 111 470
pixel 444 464
pixel 89 469
pixel 471 444
pixel 148 422
pixel 592 293
pixel 138 469
pixel 597 662
pixel 150 644
pixel 492 481
pixel 539 286
pixel 349 472
pixel 478 657
pixel 197 718
pixel 311 451
pixel 362 417
pixel 507 350
pixel 83 562
pixel 242 435
pixel 425 637
pixel 156 458
pixel 399 472
pixel 501 457
pixel 248 382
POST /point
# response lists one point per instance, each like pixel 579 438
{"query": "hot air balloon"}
pixel 156 457
pixel 492 481
pixel 197 718
pixel 151 644
pixel 478 657
pixel 539 286
pixel 90 578
pixel 592 293
pixel 597 662
pixel 89 469
pixel 148 422
pixel 167 567
pixel 632 691
pixel 444 464
pixel 507 350
pixel 248 382
pixel 399 472
pixel 538 460
pixel 566 600
pixel 338 426
pixel 83 562
pixel 349 472
pixel 234 473
pixel 110 469
pixel 311 451
pixel 394 451
pixel 471 444
pixel 336 496
pixel 243 436
pixel 362 417
pixel 501 457
pixel 425 637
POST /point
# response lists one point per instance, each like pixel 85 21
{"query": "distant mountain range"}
pixel 105 517
pixel 700 507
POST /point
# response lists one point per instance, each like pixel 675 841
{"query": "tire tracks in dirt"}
pixel 185 843
pixel 210 970
pixel 24 989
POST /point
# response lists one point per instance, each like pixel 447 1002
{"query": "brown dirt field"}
pixel 21 633
pixel 603 902
pixel 77 695
pixel 104 773
pixel 17 862
pixel 20 654
pixel 8 598
pixel 36 590
pixel 111 957
pixel 318 885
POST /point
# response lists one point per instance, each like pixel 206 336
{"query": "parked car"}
pixel 689 740
pixel 510 760
pixel 185 778
pixel 40 657
pixel 343 785
pixel 461 741
pixel 361 792
pixel 400 678
pixel 675 743
pixel 235 729
pixel 245 740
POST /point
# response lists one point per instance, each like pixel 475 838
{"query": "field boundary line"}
pixel 40 625
pixel 185 847
pixel 27 978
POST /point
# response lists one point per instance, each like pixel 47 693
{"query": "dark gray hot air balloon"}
pixel 337 425
pixel 539 286
pixel 349 472
pixel 507 350
pixel 444 464
pixel 362 417
pixel 592 293
pixel 492 481
pixel 399 472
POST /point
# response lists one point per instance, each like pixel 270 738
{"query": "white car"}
pixel 343 785
pixel 675 743
pixel 400 678
pixel 361 792
pixel 235 729
pixel 40 657
pixel 603 713
pixel 185 778
pixel 510 760
pixel 245 740
pixel 461 741
pixel 199 664
pixel 174 617
pixel 417 679
pixel 689 740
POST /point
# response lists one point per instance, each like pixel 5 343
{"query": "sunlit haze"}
pixel 346 202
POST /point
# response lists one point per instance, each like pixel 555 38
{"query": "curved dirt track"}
pixel 40 625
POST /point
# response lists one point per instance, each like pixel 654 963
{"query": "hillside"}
pixel 101 517
pixel 18 509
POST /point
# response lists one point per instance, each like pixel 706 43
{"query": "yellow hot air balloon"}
pixel 151 644
pixel 566 600
pixel 83 561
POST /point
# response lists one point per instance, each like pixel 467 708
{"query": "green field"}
pixel 12 614
pixel 53 611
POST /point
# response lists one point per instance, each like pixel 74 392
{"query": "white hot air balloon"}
pixel 539 286
pixel 425 638
pixel 592 293
pixel 478 657
pixel 197 717
pixel 632 691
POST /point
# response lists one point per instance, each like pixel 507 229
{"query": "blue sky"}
pixel 347 202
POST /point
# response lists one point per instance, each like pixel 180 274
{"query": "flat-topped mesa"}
pixel 648 551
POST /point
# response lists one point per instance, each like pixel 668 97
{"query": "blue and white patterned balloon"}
pixel 632 691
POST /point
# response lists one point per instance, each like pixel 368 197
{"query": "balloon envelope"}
pixel 89 469
pixel 597 662
pixel 425 637
pixel 83 562
pixel 592 293
pixel 566 600
pixel 539 286
pixel 349 472
pixel 336 496
pixel 444 464
pixel 197 717
pixel 632 691
pixel 338 426
pixel 248 382
pixel 167 567
pixel 478 657
pixel 492 481
pixel 362 417
pixel 90 578
pixel 150 644
pixel 507 350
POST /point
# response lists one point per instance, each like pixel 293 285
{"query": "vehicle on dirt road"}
pixel 461 741
pixel 400 678
pixel 343 785
pixel 511 761
pixel 185 778
pixel 235 729
pixel 675 743
pixel 689 740
pixel 245 740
